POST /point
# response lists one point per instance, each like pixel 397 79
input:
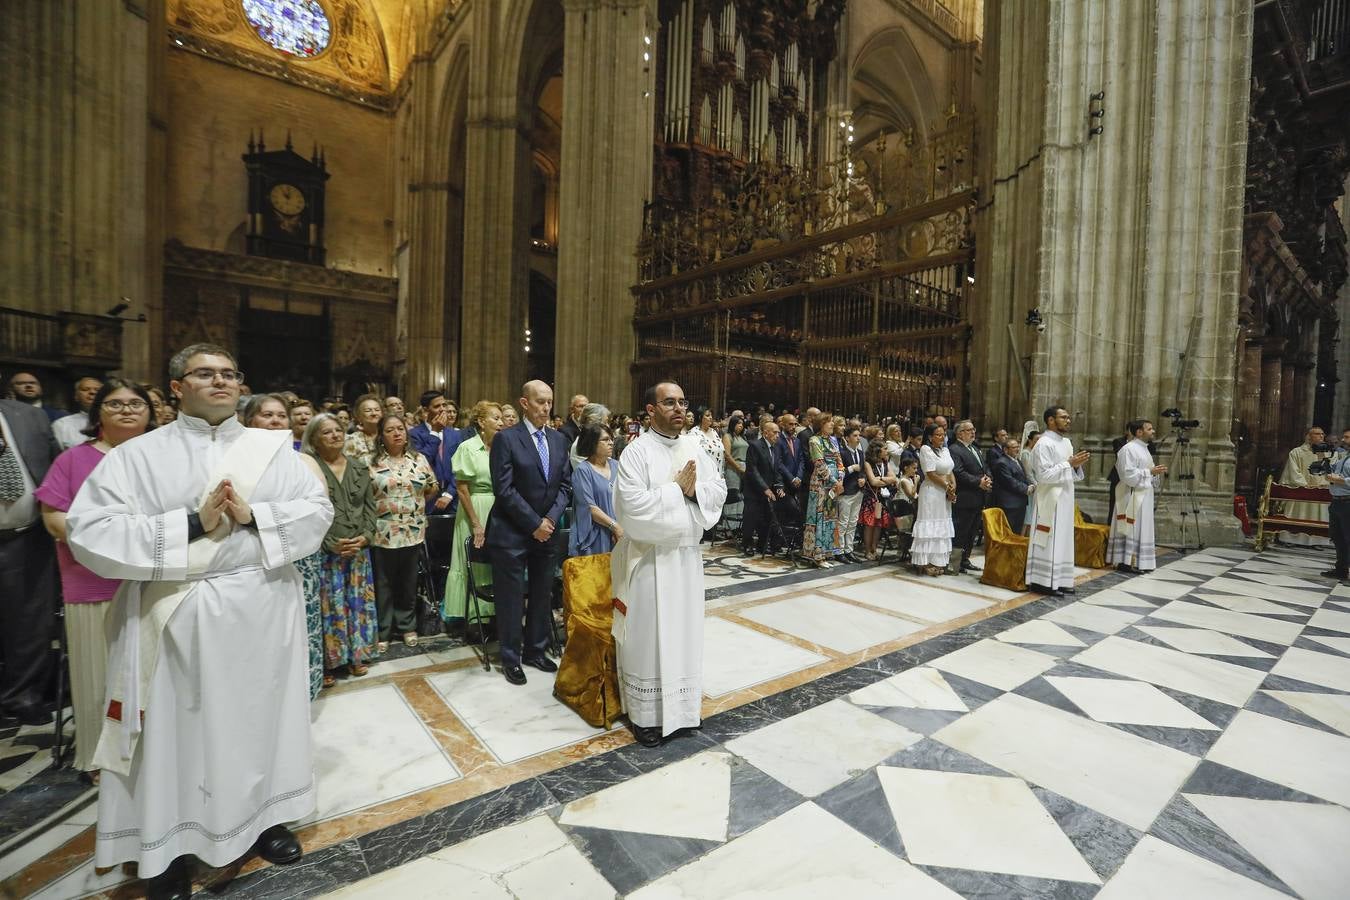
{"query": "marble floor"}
pixel 866 733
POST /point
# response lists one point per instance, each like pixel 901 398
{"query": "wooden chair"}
pixel 588 673
pixel 1005 553
pixel 1269 521
pixel 1089 542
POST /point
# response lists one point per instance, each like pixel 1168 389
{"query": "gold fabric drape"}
pixel 588 677
pixel 1089 542
pixel 1005 553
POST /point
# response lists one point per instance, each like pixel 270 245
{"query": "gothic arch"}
pixel 890 88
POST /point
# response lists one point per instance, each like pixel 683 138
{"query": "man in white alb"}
pixel 205 745
pixel 1297 474
pixel 1054 469
pixel 667 494
pixel 1130 546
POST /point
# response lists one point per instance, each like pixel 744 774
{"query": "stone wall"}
pixel 213 107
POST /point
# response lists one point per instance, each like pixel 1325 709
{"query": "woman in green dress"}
pixel 473 481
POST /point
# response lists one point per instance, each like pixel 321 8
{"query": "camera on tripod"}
pixel 1178 418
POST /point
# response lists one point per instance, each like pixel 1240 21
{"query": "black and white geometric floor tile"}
pixel 1181 735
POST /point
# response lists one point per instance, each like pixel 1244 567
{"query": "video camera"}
pixel 1178 421
pixel 1323 465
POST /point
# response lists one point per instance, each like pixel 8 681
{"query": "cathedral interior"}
pixel 884 208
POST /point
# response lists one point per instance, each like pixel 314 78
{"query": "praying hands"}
pixel 223 502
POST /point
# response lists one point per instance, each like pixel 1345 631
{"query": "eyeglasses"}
pixel 227 375
pixel 116 406
pixel 672 403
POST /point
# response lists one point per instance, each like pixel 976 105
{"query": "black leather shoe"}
pixel 1042 589
pixel 970 567
pixel 514 674
pixel 647 737
pixel 542 663
pixel 278 846
pixel 1068 591
pixel 1332 573
pixel 171 884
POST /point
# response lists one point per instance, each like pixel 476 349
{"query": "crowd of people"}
pixel 342 500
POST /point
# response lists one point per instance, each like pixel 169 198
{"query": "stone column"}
pixel 1249 412
pixel 1305 391
pixel 1272 369
pixel 1291 421
pixel 74 117
pixel 605 178
pixel 1128 241
pixel 429 366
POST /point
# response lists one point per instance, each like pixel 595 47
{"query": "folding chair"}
pixel 476 594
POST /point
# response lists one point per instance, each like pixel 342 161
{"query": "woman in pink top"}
pixel 121 411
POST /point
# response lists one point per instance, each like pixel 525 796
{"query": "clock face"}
pixel 287 199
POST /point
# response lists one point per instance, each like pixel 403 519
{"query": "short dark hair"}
pixel 915 431
pixel 1050 413
pixel 851 429
pixel 178 362
pixel 428 396
pixel 380 449
pixel 589 439
pixel 649 395
pixel 110 385
pixel 1134 425
pixel 932 430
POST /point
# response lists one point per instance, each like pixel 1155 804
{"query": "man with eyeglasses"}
pixel 69 430
pixel 28 575
pixel 205 749
pixel 667 493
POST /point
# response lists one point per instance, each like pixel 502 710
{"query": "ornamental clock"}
pixel 285 203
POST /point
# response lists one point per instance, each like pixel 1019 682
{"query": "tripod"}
pixel 1181 466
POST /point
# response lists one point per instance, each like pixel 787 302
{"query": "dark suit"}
pixel 1113 479
pixel 28 577
pixel 442 455
pixel 789 458
pixel 760 475
pixel 570 430
pixel 968 469
pixel 1010 489
pixel 524 498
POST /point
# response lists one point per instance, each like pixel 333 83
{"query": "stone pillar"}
pixel 1305 391
pixel 74 117
pixel 1128 241
pixel 1249 413
pixel 1272 369
pixel 428 364
pixel 1291 420
pixel 605 177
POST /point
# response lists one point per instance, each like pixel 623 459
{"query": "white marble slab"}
pixel 513 722
pixel 980 822
pixel 1329 709
pixel 1199 640
pixel 1264 591
pixel 1113 597
pixel 1239 603
pixel 829 623
pixel 1262 628
pixel 815 750
pixel 1039 631
pixel 1341 590
pixel 969 584
pixel 995 663
pixel 1155 587
pixel 736 657
pixel 1128 703
pixel 804 854
pixel 1283 581
pixel 917 688
pixel 1177 576
pixel 1101 619
pixel 690 798
pixel 1331 620
pixel 82 881
pixel 375 732
pixel 1295 756
pixel 1156 870
pixel 402 664
pixel 1315 668
pixel 1212 679
pixel 928 603
pixel 1198 566
pixel 1341 644
pixel 1304 844
pixel 1296 560
pixel 1104 768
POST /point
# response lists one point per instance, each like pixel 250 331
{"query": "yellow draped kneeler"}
pixel 588 675
pixel 1089 542
pixel 1005 553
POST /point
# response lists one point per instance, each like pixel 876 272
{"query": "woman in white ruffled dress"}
pixel 933 529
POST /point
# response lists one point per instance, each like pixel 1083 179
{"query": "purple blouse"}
pixel 58 490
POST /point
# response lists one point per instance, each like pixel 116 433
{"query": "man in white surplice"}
pixel 667 494
pixel 205 746
pixel 1131 543
pixel 1054 469
pixel 1296 474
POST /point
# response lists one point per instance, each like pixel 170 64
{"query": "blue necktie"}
pixel 543 451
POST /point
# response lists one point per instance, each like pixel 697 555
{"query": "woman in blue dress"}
pixel 594 529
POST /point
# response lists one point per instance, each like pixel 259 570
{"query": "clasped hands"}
pixel 544 531
pixel 349 547
pixel 223 502
pixel 687 477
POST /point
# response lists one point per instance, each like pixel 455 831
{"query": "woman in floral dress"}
pixel 820 537
pixel 346 588
pixel 402 481
pixel 874 515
